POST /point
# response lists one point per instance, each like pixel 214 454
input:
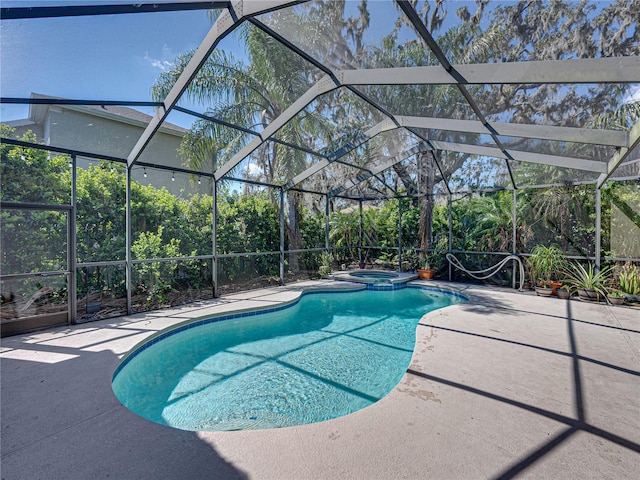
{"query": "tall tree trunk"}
pixel 427 174
pixel 293 228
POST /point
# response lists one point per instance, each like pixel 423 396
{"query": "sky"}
pixel 117 57
pixel 114 57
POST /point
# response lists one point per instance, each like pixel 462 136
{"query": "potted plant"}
pixel 616 297
pixel 427 272
pixel 544 289
pixel 546 265
pixel 589 283
pixel 564 292
pixel 630 283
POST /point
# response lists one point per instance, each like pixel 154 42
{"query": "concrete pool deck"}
pixel 506 385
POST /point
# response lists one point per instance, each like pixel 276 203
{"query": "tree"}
pixel 250 96
pixel 344 231
pixel 33 240
pixel 101 213
pixel 31 174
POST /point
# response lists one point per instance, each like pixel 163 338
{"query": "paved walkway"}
pixel 506 385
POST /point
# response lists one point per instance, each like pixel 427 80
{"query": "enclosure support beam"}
pixel 598 226
pixel 127 234
pixel 223 26
pixel 568 134
pixel 399 234
pixel 326 223
pixel 92 10
pixel 450 235
pixel 225 23
pixel 214 240
pixel 583 70
pixel 72 287
pixel 360 231
pixel 514 237
pixel 282 236
pixel 621 155
pixel 541 158
pixel 614 138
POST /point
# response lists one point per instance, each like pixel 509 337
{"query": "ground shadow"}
pixel 482 301
pixel 60 419
pixel 576 423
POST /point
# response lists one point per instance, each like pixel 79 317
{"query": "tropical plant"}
pixel 412 259
pixel 630 281
pixel 434 260
pixel 427 264
pixel 343 232
pixel 494 228
pixel 581 278
pixel 251 95
pixel 326 259
pixel 547 262
pixel 616 294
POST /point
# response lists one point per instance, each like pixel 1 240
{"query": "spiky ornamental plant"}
pixel 581 278
pixel 630 281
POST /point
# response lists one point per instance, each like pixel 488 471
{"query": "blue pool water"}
pixel 373 275
pixel 326 356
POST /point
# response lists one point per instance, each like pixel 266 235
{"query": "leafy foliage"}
pixel 254 94
pixel 547 262
pixel 581 278
pixel 630 280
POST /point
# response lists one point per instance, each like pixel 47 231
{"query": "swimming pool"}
pixel 322 357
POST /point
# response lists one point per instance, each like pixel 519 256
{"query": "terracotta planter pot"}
pixel 555 286
pixel 426 274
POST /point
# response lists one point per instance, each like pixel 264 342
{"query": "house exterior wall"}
pixel 114 136
pixel 23 127
pixel 105 136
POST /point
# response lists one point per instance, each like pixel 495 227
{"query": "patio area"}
pixel 506 385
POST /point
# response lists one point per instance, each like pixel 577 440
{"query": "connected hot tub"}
pixel 376 277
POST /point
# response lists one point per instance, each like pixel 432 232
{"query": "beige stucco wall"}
pixel 105 136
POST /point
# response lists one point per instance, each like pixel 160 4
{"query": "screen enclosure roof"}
pixel 355 99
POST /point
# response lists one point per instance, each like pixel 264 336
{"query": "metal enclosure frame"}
pixel 618 70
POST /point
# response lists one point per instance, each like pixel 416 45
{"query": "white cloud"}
pixel 254 169
pixel 165 62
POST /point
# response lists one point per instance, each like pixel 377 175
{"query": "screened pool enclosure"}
pixel 157 153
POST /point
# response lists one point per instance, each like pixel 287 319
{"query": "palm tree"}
pixel 343 232
pixel 250 96
pixel 254 95
pixel 494 227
